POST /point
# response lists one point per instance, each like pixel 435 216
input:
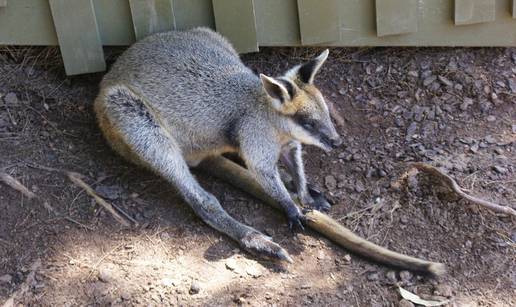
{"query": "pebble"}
pixel 195 288
pixel 347 258
pixel 491 118
pixel 474 148
pixel 11 98
pixel 405 303
pixel 413 73
pixel 512 85
pixel 391 276
pixel 406 276
pixel 513 128
pixel 443 290
pixel 411 130
pixel 445 81
pixel 373 276
pixel 429 80
pixel 466 103
pixel 330 182
pixel 253 271
pixel 499 169
pixel 5 279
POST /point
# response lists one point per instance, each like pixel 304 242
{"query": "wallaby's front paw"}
pixel 318 201
pixel 295 218
pixel 261 245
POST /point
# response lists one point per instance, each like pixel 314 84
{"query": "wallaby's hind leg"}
pixel 155 148
pixel 308 195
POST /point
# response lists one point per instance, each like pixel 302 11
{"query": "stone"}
pixel 445 81
pixel 429 80
pixel 11 98
pixel 330 182
pixel 406 276
pixel 194 288
pixel 373 276
pixel 411 131
pixel 391 277
pixel 443 290
pixel 5 279
pixel 499 169
pixel 466 103
pixel 231 264
pixel 491 118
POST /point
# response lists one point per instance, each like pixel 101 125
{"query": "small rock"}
pixel 512 85
pixel 391 276
pixel 428 80
pixel 5 279
pixel 405 303
pixel 513 128
pixel 411 130
pixel 373 276
pixel 330 182
pixel 474 148
pixel 11 98
pixel 491 118
pixel 466 103
pixel 445 81
pixel 105 275
pixel 253 271
pixel 443 290
pixel 195 288
pixel 342 91
pixel 231 264
pixel 347 258
pixel 499 169
pixel 359 187
pixel 490 139
pixel 413 73
pixel 405 276
pixel 168 282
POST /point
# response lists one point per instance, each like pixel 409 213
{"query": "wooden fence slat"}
pixel 151 16
pixel 235 19
pixel 474 11
pixel 396 17
pixel 78 36
pixel 319 21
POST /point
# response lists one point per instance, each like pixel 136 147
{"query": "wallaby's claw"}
pixel 260 245
pixel 319 200
pixel 295 218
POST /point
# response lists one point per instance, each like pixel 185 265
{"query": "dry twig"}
pixel 76 178
pixel 454 186
pixel 15 184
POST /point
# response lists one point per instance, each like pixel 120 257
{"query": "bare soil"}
pixel 453 107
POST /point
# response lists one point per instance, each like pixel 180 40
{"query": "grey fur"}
pixel 175 98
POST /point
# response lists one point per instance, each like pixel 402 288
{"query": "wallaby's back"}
pixel 191 79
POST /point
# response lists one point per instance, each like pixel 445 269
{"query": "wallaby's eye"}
pixel 308 126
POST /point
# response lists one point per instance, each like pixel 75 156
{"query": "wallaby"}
pixel 175 98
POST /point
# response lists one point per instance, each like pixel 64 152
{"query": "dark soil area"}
pixel 453 108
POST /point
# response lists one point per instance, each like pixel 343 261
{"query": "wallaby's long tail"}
pixel 238 176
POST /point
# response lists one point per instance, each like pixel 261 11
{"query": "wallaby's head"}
pixel 294 96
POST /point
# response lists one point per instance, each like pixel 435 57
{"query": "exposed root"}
pixel 238 176
pixel 454 186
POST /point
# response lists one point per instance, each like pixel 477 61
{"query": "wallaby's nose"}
pixel 336 142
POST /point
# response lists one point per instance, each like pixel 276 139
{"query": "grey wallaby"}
pixel 175 98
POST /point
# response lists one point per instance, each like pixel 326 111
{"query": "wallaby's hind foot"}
pixel 261 245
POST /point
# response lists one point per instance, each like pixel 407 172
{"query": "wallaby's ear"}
pixel 275 89
pixel 307 71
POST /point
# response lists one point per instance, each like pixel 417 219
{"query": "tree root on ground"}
pixel 454 186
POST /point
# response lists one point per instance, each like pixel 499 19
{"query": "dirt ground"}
pixel 453 107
